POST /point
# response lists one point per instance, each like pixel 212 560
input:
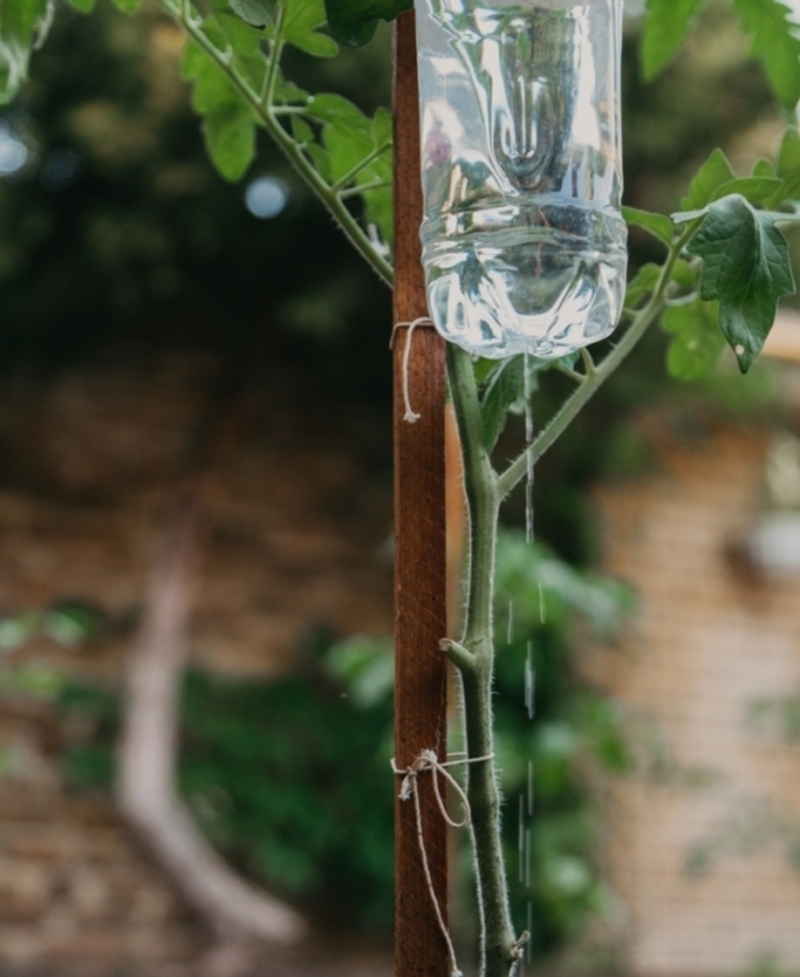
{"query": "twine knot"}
pixel 428 761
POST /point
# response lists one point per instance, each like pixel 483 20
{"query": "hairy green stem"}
pixel 474 655
pixel 474 658
pixel 269 116
pixel 597 374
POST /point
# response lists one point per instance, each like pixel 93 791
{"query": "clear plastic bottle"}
pixel 524 247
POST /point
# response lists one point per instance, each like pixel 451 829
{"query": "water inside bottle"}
pixel 524 247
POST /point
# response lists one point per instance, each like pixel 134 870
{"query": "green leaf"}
pixel 353 22
pixel 346 134
pixel 789 165
pixel 320 158
pixel 763 167
pixel 347 148
pixel 83 6
pixel 301 130
pixel 301 18
pixel 23 24
pixel 696 340
pixel 659 225
pixel 245 41
pixel 642 285
pixel 229 125
pixel 665 26
pixel 339 111
pixel 127 6
pixel 257 13
pixel 753 188
pixel 712 174
pixel 684 274
pixel 382 127
pixel 380 212
pixel 746 267
pixel 231 142
pixel 789 154
pixel 776 43
pixel 505 387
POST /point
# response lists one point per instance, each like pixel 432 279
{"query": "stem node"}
pixel 461 657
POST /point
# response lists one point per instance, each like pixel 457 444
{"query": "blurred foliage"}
pixel 66 622
pixel 290 777
pixel 752 826
pixel 777 717
pixel 117 236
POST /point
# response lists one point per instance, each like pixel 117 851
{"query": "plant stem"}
pixel 499 952
pixel 597 374
pixel 268 115
pixel 474 655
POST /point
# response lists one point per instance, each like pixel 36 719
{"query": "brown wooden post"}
pixel 420 554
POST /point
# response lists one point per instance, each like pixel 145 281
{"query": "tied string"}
pixel 410 416
pixel 409 790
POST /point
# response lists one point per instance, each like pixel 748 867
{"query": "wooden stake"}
pixel 420 553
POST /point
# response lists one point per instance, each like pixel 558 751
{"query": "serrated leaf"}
pixel 642 284
pixel 23 24
pixel 256 13
pixel 696 340
pixel 712 174
pixel 666 24
pixel 353 22
pixel 231 142
pixel 658 225
pixel 776 43
pixel 746 267
pixel 301 20
pixel 228 125
pixel 752 188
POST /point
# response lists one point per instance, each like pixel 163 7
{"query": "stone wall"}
pixel 701 850
pixel 76 895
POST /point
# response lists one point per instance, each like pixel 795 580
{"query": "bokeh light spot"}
pixel 266 197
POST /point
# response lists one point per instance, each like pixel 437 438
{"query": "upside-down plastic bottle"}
pixel 524 247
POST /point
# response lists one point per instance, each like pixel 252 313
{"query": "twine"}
pixel 410 416
pixel 409 788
